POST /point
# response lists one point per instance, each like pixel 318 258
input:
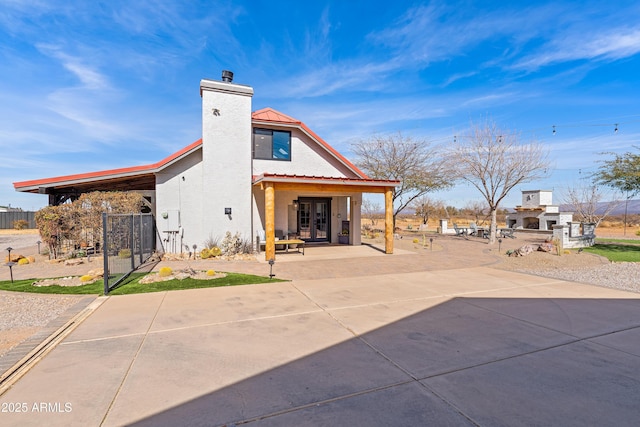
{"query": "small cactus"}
pixel 215 251
pixel 204 254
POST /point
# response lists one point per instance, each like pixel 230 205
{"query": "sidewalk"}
pixel 464 346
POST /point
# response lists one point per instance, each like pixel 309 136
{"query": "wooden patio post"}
pixel 388 220
pixel 269 221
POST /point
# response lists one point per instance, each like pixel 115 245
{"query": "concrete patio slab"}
pixel 406 404
pixel 627 341
pixel 578 384
pixel 307 359
pixel 456 335
pixel 367 318
pixel 74 385
pixel 215 305
pixel 125 315
pixel 453 347
pixel 577 317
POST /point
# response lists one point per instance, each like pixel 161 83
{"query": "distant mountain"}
pixel 633 207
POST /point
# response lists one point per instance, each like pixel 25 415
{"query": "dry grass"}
pixel 14 232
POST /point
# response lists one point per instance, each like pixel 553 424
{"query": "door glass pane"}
pixel 305 220
pixel 321 220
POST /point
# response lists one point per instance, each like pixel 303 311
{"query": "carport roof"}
pixel 134 177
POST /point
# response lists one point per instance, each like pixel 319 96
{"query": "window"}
pixel 271 144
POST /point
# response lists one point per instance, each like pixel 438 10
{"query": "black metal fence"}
pixel 128 241
pixel 7 219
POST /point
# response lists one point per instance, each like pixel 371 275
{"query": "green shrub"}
pixel 124 253
pixel 23 261
pixel 204 254
pixel 215 251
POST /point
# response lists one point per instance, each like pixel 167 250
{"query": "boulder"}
pixel 74 261
pixel 522 251
pixel 546 247
pixel 96 272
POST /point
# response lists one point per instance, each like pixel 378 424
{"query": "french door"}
pixel 314 219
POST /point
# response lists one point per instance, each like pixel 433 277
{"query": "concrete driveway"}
pixel 475 346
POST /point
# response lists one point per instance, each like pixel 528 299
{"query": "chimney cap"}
pixel 227 76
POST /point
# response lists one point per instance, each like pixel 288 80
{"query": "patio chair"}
pixel 474 229
pixel 507 232
pixel 459 231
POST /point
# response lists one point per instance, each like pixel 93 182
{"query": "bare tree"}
pixel 478 210
pixel 426 207
pixel 396 157
pixel 371 210
pixel 494 161
pixel 586 202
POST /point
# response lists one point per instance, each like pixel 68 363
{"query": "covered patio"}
pixel 269 185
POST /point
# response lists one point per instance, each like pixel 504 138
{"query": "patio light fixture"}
pixel 10 265
pixel 271 262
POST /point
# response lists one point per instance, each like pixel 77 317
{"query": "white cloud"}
pixel 612 45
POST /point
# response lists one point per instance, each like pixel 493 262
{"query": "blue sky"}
pixel 88 86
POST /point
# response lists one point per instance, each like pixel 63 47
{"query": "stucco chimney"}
pixel 227 76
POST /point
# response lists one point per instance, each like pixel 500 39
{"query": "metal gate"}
pixel 128 241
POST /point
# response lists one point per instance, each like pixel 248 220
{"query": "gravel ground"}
pixel 623 275
pixel 22 315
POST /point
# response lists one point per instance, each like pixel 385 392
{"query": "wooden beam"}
pixel 270 221
pixel 324 188
pixel 388 220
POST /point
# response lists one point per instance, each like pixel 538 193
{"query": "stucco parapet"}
pixel 224 87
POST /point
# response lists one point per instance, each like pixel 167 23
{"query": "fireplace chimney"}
pixel 227 76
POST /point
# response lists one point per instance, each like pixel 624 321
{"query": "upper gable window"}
pixel 271 144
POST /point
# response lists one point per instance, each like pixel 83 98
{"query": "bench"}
pixel 287 242
pixel 280 241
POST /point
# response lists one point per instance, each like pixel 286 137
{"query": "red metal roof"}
pixel 266 115
pixel 133 170
pixel 273 116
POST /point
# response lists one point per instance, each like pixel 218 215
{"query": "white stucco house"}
pixel 252 173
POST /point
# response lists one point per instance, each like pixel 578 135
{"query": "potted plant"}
pixel 343 238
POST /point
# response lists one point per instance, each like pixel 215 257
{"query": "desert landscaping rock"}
pixel 187 273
